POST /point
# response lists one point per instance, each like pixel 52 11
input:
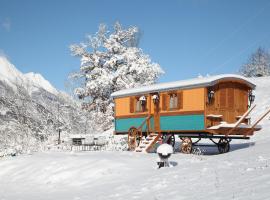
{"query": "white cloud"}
pixel 6 24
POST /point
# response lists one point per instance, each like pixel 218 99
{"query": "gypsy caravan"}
pixel 215 107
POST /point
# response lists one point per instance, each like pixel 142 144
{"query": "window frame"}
pixel 77 141
pixel 143 107
pixel 174 101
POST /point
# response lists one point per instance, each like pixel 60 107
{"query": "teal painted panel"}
pixel 182 122
pixel 123 125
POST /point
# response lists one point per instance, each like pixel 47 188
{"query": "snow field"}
pixel 243 173
pixel 240 174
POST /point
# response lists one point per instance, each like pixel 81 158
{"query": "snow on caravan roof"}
pixel 183 84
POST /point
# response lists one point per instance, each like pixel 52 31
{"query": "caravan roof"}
pixel 183 84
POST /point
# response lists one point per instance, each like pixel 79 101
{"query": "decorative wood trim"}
pixel 164 101
pixel 131 104
pixel 173 131
pixel 184 131
pixel 233 81
pixel 156 118
pixel 172 92
pixel 205 105
pixel 168 96
pixel 197 112
pixel 180 100
pixel 173 110
pixel 132 116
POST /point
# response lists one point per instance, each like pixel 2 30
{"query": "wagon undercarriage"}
pixel 222 143
pixel 220 135
pixel 139 141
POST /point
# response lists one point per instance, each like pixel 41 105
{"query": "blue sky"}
pixel 186 37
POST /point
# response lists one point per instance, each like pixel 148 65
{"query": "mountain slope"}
pixel 38 81
pixel 9 73
pixel 32 111
pixel 12 76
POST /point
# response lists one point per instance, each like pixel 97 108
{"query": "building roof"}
pixel 183 84
pixel 78 136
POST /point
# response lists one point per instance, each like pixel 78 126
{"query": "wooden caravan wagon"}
pixel 215 107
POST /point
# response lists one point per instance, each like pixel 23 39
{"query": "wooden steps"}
pixel 147 143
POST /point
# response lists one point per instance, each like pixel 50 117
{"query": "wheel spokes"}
pixel 134 138
pixel 223 145
pixel 186 146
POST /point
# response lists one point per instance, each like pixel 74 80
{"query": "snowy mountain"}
pixel 32 111
pixel 11 75
pixel 38 81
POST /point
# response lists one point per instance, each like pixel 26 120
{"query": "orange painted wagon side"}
pixel 188 108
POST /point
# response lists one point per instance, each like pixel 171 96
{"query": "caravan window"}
pixel 173 101
pixel 140 104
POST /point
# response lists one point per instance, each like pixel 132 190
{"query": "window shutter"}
pixel 222 99
pixel 230 97
pixel 131 104
pixel 245 101
pixel 180 100
pixel 145 108
pixel 164 101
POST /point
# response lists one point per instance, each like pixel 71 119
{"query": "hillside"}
pixel 262 101
pixel 243 173
pixel 32 111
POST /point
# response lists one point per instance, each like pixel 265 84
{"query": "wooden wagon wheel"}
pixel 186 146
pixel 223 145
pixel 134 138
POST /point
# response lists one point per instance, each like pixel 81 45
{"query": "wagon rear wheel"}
pixel 186 146
pixel 134 138
pixel 223 145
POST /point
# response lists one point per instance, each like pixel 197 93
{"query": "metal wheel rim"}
pixel 186 146
pixel 134 138
pixel 223 145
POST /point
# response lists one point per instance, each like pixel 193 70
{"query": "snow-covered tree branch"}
pixel 111 61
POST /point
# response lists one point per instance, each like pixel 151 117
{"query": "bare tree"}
pixel 258 64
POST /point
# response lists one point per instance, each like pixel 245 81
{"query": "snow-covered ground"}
pixel 243 173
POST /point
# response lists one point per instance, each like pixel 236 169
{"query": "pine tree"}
pixel 257 65
pixel 111 61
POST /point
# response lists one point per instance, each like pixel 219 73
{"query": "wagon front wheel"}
pixel 223 145
pixel 186 146
pixel 134 138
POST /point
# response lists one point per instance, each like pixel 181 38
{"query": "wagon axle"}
pixel 223 143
